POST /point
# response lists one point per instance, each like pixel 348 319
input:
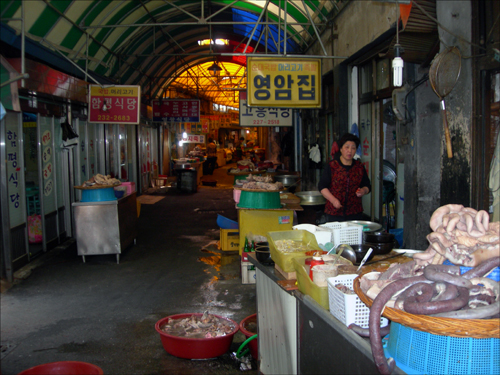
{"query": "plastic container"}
pixel 193 348
pixel 345 233
pixel 259 199
pixel 98 195
pixel 236 195
pixel 225 223
pixel 64 368
pixel 494 275
pixel 348 308
pixel 306 286
pixel 247 327
pixel 284 259
pixel 316 261
pixel 418 352
pixel 187 180
pixel 130 187
pixel 323 235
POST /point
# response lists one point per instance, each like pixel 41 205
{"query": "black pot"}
pixel 378 237
pixel 263 256
pixel 380 248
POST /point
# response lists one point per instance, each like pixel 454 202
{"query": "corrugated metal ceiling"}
pixel 141 42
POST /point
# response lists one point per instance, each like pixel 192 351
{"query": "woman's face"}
pixel 348 150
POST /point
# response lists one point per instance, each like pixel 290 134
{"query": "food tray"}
pixel 96 186
pixel 343 233
pixel 348 308
pixel 476 328
pixel 285 260
pixel 307 286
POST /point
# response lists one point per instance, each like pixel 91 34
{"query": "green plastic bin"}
pixel 259 200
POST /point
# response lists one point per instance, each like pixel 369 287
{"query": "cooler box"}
pixel 259 222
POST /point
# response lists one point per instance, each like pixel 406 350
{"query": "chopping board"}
pixel 289 198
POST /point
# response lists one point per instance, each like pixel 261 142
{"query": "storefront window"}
pixel 365 79
pixel 383 74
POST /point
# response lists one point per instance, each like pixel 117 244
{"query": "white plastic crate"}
pixel 348 308
pixel 345 233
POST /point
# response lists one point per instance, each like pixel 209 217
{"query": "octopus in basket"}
pixel 425 286
pixel 205 326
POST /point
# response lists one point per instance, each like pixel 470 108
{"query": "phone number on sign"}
pixel 113 118
pixel 266 122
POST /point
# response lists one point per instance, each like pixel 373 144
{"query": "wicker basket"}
pixel 476 328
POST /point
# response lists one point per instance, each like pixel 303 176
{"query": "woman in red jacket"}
pixel 343 182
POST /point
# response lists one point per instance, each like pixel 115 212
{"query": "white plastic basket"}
pixel 348 308
pixel 323 235
pixel 343 233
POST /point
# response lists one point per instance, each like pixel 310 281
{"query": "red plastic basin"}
pixel 192 348
pixel 64 368
pixel 253 345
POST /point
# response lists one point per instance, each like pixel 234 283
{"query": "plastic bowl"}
pixel 119 193
pixel 225 223
pixel 361 251
pixel 248 327
pixel 259 199
pixel 192 348
pixel 98 195
pixel 64 368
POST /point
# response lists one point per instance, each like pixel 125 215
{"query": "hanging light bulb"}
pixel 104 107
pixel 397 63
pixel 184 135
pixel 397 67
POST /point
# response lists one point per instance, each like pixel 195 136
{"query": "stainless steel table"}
pixel 105 227
pixel 314 343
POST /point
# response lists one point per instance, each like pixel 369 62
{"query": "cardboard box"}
pixel 247 273
pixel 229 239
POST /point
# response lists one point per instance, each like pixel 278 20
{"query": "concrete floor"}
pixel 61 309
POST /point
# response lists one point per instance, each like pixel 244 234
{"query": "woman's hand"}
pixel 329 197
pixel 336 203
pixel 362 191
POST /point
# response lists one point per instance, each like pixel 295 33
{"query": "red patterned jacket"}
pixel 344 182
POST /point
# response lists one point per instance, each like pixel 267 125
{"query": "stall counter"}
pixel 322 343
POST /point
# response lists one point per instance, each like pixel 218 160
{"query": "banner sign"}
pixel 176 110
pixel 114 104
pixel 192 138
pixel 263 116
pixel 284 82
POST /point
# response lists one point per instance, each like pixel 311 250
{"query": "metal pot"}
pixel 310 198
pixel 287 179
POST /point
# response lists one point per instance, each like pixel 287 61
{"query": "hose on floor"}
pixel 239 354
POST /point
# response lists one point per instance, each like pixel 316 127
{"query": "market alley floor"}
pixel 101 312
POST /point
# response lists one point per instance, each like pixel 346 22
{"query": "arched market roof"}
pixel 151 42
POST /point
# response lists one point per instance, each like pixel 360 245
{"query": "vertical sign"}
pixel 284 83
pixel 14 170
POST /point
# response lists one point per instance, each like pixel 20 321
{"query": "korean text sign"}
pixel 263 116
pixel 176 110
pixel 284 83
pixel 122 104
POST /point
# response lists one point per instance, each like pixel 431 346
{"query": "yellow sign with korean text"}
pixel 283 82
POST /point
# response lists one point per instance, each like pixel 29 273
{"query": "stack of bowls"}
pixel 382 242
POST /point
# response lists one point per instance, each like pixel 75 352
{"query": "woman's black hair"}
pixel 349 137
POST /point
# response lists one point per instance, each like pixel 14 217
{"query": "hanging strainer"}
pixel 443 75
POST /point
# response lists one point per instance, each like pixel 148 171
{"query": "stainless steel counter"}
pixel 324 345
pixel 105 227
